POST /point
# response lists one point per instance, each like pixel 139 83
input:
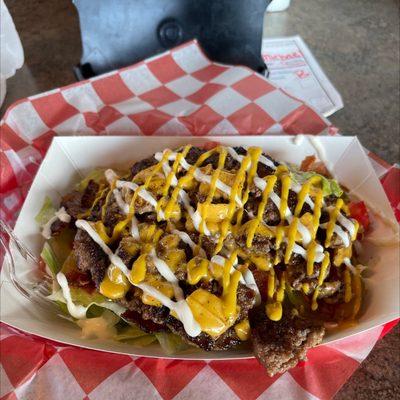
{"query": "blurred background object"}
pixel 278 5
pixel 11 52
pixel 117 33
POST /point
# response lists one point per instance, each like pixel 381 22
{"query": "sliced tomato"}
pixel 358 211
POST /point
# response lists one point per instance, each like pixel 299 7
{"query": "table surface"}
pixel 355 41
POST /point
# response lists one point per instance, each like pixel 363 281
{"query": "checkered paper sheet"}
pixel 179 92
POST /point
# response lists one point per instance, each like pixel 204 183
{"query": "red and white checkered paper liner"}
pixel 180 92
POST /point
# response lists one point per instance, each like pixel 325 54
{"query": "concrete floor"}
pixel 356 43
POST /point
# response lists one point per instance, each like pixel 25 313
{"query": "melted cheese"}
pixel 242 330
pixel 115 284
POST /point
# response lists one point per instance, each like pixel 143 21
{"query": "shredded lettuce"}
pixel 142 341
pixel 96 175
pixel 329 186
pixel 46 212
pixel 129 332
pixel 50 259
pixel 171 343
pixel 62 244
pixel 95 302
pixel 85 298
pixel 56 252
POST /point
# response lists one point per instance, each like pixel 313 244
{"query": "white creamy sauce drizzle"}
pixel 116 260
pixel 305 233
pixel 232 152
pixel 198 175
pixel 76 311
pixel 221 261
pixel 346 223
pixel 181 307
pixel 165 271
pixel 121 203
pixel 298 140
pixel 194 215
pixel 321 153
pixel 110 176
pixel 340 232
pixel 62 215
pixel 79 311
pixel 251 283
pixel 349 265
pixel 135 228
pixel 186 239
pixel 262 159
pixel 143 193
pixel 296 188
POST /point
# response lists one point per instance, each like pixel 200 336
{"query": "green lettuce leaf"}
pixel 142 341
pixel 62 244
pixel 95 302
pixel 171 343
pixel 129 332
pixel 96 175
pixel 83 297
pixel 329 186
pixel 46 212
pixel 50 259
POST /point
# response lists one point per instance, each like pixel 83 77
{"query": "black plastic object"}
pixel 116 33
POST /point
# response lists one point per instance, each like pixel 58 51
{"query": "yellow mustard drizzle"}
pixel 254 153
pixel 271 180
pixel 304 192
pixel 332 221
pixel 213 185
pixel 280 230
pixel 106 201
pixel 311 250
pixel 341 254
pixel 168 181
pixel 321 277
pixel 99 196
pixel 317 212
pixel 230 295
pixel 285 180
pixel 292 233
pixel 347 286
pixel 239 181
pixel 226 275
pixel 274 308
pixel 183 181
pixel 197 269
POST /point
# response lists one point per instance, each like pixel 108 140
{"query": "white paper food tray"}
pixel 70 158
pixel 293 67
